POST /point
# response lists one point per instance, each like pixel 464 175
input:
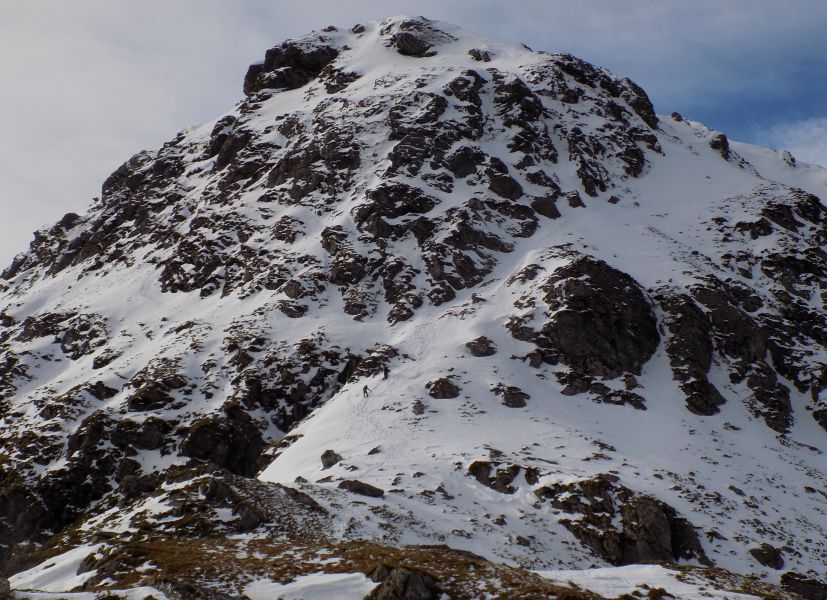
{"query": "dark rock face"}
pixel 512 396
pixel 323 164
pixel 150 396
pixel 481 346
pixel 231 441
pixel 186 590
pixel 443 388
pixel 480 55
pixel 391 201
pixel 288 66
pixel 149 435
pixel 652 531
pixel 649 531
pixel 464 161
pixel 718 319
pixel 690 352
pixel 807 587
pixel 363 489
pixel 546 206
pixel 330 458
pixel 400 583
pixel 101 391
pixel 737 334
pixel 769 556
pixel 409 44
pixel 78 334
pixel 720 143
pixel 502 184
pixel 494 475
pixel 415 37
pixel 603 325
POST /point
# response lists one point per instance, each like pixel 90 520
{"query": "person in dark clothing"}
pixel 365 391
pixel 385 372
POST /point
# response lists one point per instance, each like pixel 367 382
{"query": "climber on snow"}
pixel 365 391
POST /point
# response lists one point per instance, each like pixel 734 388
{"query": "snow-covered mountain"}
pixel 424 300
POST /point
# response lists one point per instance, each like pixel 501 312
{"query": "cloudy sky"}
pixel 84 84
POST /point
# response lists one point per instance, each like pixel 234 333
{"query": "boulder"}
pixel 442 389
pixel 400 583
pixel 546 206
pixel 363 489
pixel 409 44
pixel 480 55
pixel 504 185
pixel 330 458
pixel 295 310
pixel 512 396
pixel 481 346
pixel 768 555
pixel 498 478
pixel 574 200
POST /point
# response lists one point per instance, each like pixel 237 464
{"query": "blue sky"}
pixel 86 84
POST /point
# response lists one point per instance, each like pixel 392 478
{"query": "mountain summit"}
pixel 424 315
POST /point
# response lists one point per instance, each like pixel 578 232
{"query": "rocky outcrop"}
pixel 229 440
pixel 498 476
pixel 417 38
pixel 720 143
pixel 481 347
pixel 361 488
pixel 689 347
pixel 512 396
pixel 808 588
pixel 186 590
pixel 400 583
pixel 288 66
pixel 601 324
pixel 442 389
pixel 330 458
pixel 768 555
pixel 623 527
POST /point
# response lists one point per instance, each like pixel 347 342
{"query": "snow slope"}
pixel 381 198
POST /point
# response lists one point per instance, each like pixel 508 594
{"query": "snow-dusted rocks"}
pixel 428 301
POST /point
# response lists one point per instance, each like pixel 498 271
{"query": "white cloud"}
pixel 806 140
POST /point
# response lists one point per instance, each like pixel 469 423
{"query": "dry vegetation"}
pixel 229 563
